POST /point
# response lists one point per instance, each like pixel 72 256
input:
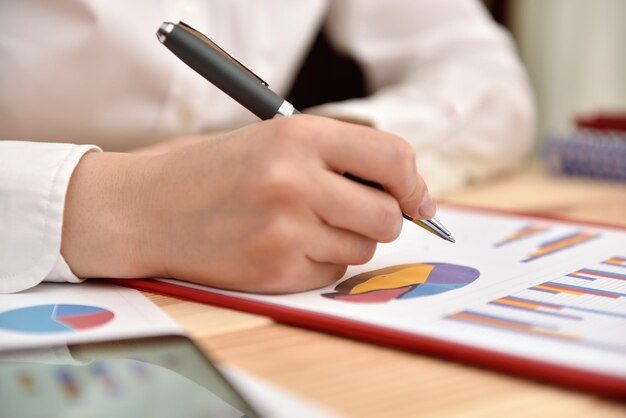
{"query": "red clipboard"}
pixel 578 379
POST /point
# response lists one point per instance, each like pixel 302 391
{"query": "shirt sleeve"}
pixel 443 76
pixel 33 182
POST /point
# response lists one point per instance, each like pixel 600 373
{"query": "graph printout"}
pixel 523 232
pixel 542 290
pixel 579 308
pixel 561 243
pixel 60 313
pixel 54 318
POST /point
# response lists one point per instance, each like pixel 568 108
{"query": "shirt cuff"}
pixel 61 272
pixel 34 178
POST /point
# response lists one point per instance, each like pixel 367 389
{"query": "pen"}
pixel 233 78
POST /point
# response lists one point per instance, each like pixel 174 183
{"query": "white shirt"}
pixel 440 72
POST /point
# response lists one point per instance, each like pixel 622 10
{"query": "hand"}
pixel 170 145
pixel 263 209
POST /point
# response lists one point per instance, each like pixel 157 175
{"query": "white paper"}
pixel 60 313
pixel 566 306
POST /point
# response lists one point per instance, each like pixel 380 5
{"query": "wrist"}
pixel 103 233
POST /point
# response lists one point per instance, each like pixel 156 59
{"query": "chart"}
pixel 403 282
pixel 561 243
pixel 521 233
pixel 580 307
pixel 52 318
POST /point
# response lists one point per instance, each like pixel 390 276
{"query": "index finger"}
pixel 375 156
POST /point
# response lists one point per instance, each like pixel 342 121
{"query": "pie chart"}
pixel 405 281
pixel 52 318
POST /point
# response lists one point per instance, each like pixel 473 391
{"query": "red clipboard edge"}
pixel 582 380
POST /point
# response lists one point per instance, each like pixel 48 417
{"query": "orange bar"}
pixel 517 303
pixel 556 289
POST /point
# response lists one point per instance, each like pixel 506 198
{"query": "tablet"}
pixel 165 376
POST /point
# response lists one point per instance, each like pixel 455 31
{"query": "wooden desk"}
pixel 364 380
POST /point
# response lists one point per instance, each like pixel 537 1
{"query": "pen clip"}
pixel 217 48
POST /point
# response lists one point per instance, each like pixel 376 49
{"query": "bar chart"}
pixel 523 233
pixel 561 243
pixel 587 306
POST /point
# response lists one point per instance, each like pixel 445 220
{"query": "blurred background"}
pixel 575 54
pixel 574 51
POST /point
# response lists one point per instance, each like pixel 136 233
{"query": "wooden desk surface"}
pixel 364 380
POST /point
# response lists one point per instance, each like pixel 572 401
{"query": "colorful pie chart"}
pixel 58 318
pixel 405 281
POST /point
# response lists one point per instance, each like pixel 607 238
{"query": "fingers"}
pixel 320 275
pixel 346 204
pixel 310 274
pixel 338 246
pixel 375 156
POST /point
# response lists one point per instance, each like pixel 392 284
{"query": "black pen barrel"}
pixel 222 72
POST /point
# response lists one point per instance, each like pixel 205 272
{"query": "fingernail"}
pixel 427 207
